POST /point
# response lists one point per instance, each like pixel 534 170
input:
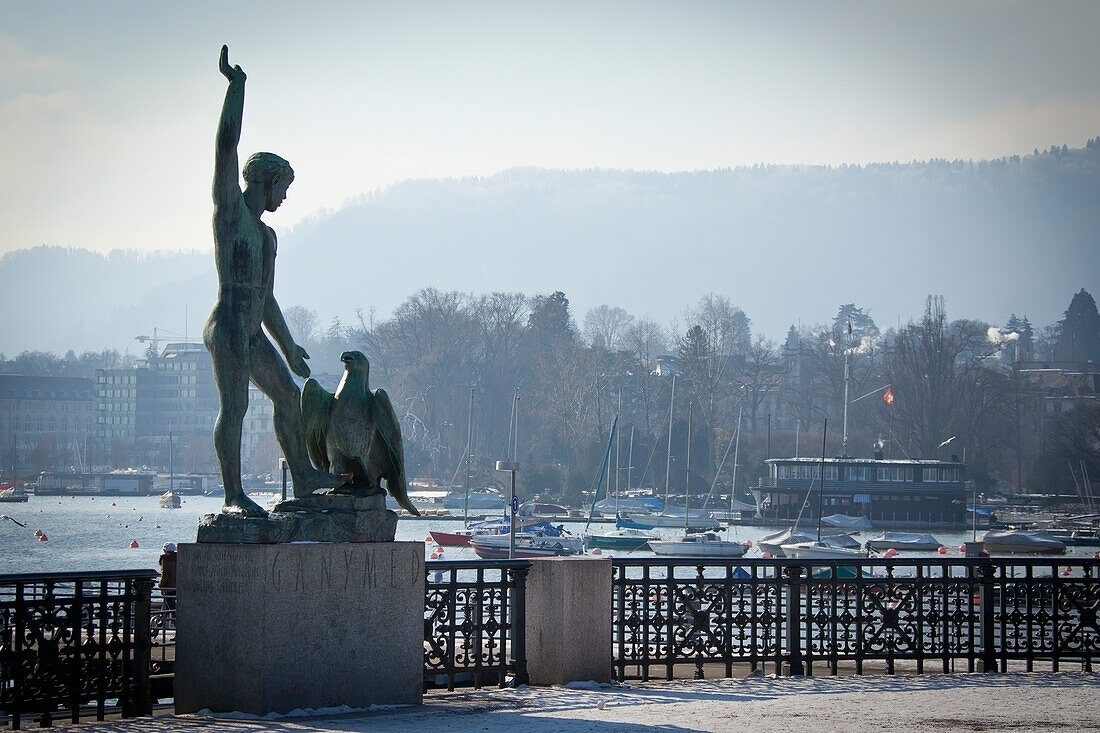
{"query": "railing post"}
pixel 987 610
pixel 793 575
pixel 142 703
pixel 519 625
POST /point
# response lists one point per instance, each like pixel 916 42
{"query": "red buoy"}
pixel 134 544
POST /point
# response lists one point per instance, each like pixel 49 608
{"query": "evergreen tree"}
pixel 1079 331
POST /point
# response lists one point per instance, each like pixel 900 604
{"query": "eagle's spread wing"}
pixel 316 409
pixel 388 428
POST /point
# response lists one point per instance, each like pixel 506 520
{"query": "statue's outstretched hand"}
pixel 297 361
pixel 230 72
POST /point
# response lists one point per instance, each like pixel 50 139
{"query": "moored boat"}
pixel 620 538
pixel 1022 542
pixel 773 543
pixel 691 523
pixel 170 500
pixel 10 494
pixel 496 547
pixel 818 550
pixel 904 542
pixel 698 544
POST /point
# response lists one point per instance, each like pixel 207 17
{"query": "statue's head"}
pixel 270 172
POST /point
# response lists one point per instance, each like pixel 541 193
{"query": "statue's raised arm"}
pixel 227 188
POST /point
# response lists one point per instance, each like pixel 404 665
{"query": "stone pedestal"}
pixel 569 621
pixel 317 518
pixel 266 628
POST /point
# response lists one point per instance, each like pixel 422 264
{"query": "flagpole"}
pixel 844 431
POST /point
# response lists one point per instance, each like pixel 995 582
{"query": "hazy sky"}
pixel 108 109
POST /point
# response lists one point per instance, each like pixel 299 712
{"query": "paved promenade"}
pixel 1065 701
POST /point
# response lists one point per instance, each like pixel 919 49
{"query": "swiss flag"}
pixel 888 396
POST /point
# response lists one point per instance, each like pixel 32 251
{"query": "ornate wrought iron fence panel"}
pixel 74 643
pixel 1047 611
pixel 474 621
pixel 669 613
pixel 800 616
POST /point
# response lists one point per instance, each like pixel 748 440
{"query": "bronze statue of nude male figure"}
pixel 244 251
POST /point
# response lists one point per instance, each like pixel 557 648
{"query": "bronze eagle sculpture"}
pixel 356 431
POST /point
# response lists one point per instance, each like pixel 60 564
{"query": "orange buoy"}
pixel 428 538
pixel 890 553
pixel 942 550
pixel 134 544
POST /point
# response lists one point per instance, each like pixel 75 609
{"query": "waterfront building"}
pixel 884 490
pixel 44 422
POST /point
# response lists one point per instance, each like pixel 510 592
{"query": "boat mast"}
pixel 736 448
pixel 618 451
pixel 687 470
pixel 469 441
pixel 821 481
pixel 630 459
pixel 668 452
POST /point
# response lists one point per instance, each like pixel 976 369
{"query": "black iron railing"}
pixel 474 618
pixel 805 616
pixel 107 641
pixel 77 644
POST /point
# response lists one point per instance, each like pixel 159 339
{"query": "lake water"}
pixel 95 533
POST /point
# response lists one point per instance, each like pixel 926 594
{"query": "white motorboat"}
pixel 773 543
pixel 497 546
pixel 816 550
pixel 701 544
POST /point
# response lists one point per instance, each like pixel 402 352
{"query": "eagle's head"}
pixel 355 362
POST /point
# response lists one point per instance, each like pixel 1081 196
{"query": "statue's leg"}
pixel 270 374
pixel 229 355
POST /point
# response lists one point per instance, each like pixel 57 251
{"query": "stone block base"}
pixel 569 620
pixel 266 628
pixel 317 518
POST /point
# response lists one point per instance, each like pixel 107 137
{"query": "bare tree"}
pixel 647 341
pixel 303 324
pixel 606 327
pixel 928 370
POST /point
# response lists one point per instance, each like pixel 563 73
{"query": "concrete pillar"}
pixel 266 628
pixel 569 623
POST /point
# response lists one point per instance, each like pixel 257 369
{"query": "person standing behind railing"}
pixel 167 582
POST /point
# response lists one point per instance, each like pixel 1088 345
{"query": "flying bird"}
pixel 945 442
pixel 5 516
pixel 356 431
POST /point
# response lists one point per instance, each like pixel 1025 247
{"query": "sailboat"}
pixel 461 538
pixel 626 539
pixel 170 499
pixel 819 549
pixel 691 521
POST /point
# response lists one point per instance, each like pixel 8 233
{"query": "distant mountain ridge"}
pixel 61 298
pixel 788 244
